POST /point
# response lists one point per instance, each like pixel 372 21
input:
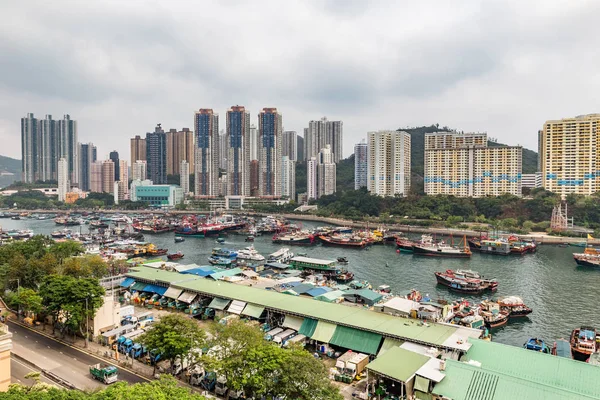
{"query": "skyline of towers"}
pixel 269 152
pixel 206 172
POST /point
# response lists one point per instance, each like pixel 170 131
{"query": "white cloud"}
pixel 121 67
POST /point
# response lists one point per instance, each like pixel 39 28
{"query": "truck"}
pixel 283 336
pixel 180 364
pixel 269 335
pixel 138 351
pixel 352 363
pixel 196 375
pixel 298 339
pixel 104 373
pixel 153 357
pixel 221 386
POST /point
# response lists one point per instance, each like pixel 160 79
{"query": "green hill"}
pixel 10 171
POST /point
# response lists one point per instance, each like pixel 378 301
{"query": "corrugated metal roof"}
pixel 173 293
pixel 366 293
pixel 357 340
pixel 236 307
pixel 318 291
pixel 536 367
pixel 356 317
pixel 292 322
pixel 228 272
pixel 330 296
pixel 388 343
pixel 187 297
pixel 218 303
pixel 253 311
pixel 323 332
pixel 127 282
pixel 398 364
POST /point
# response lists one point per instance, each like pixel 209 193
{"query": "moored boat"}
pixel 220 261
pixel 583 342
pixel 344 241
pixel 465 281
pixel 404 245
pixel 221 252
pixel 282 255
pixel 175 256
pixel 492 315
pixel 514 306
pixel 296 238
pixel 179 239
pixel 536 344
pixel 562 348
pixel 427 247
pixel 250 254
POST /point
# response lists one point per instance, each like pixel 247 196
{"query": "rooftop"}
pixel 355 317
pixel 398 364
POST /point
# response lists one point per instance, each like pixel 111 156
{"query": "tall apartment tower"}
pixel 254 171
pixel 388 163
pixel 238 151
pixel 361 167
pixel 321 133
pixel 156 156
pixel 290 145
pixel 269 154
pixel 288 178
pixel 326 180
pixel 49 148
pixel 114 156
pixel 63 179
pixel 87 155
pixel 180 147
pixel 206 172
pixel 30 149
pixel 223 164
pixel 300 148
pixel 569 155
pixel 138 149
pixel 138 171
pixel 67 146
pixel 184 177
pixel 108 176
pixel 462 165
pixel 96 177
pixel 253 142
pixel 311 178
pixel 124 174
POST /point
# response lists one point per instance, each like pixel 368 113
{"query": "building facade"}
pixel 114 157
pixel 163 196
pixel 290 145
pixel 206 173
pixel 180 147
pixel 184 177
pixel 138 149
pixel 108 176
pixel 269 154
pixel 63 179
pixel 96 177
pixel 254 168
pixel 311 178
pixel 388 163
pixel 138 170
pixel 49 142
pixel 361 164
pixel 326 169
pixel 532 181
pixel 462 165
pixel 238 151
pixel 569 155
pixel 87 155
pixel 300 148
pixel 253 142
pixel 288 177
pixel 67 146
pixel 156 155
pixel 321 133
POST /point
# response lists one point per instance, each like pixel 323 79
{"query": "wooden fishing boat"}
pixel 583 342
pixel 427 247
pixel 175 256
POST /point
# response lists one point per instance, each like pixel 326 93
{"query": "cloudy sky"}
pixel 119 67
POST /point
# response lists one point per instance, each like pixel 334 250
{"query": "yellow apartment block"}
pixel 568 152
pixel 5 348
pixel 462 165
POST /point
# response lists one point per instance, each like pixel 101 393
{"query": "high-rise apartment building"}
pixel 138 149
pixel 238 151
pixel 30 149
pixel 180 147
pixel 462 165
pixel 300 148
pixel 254 168
pixel 156 156
pixel 96 177
pixel 361 164
pixel 223 164
pixel 108 176
pixel 138 171
pixel 321 133
pixel 253 142
pixel 206 173
pixel 320 174
pixel 184 177
pixel 269 152
pixel 288 178
pixel 49 150
pixel 570 162
pixel 63 179
pixel 68 146
pixel 290 145
pixel 311 178
pixel 87 155
pixel 388 163
pixel 114 157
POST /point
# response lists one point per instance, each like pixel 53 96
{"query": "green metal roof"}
pixel 323 332
pixel 355 317
pixel 388 343
pixel 330 296
pixel 218 303
pixel 366 293
pixel 354 339
pixel 559 372
pixel 469 382
pixel 398 364
pixel 253 311
pixel 308 327
pixel 228 272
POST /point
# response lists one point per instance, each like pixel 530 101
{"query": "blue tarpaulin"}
pixel 127 282
pixel 318 291
pixel 155 289
pixel 202 271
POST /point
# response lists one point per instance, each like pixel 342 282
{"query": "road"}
pixel 67 362
pixel 18 370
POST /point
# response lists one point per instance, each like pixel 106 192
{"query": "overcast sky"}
pixel 120 67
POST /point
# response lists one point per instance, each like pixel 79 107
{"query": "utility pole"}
pixel 87 328
pixel 18 292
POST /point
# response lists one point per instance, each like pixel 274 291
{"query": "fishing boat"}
pixel 249 238
pixel 342 260
pixel 492 315
pixel 404 245
pixel 151 250
pixel 344 241
pixel 514 306
pixel 579 244
pixel 227 253
pixel 220 261
pixel 296 238
pixel 536 344
pixel 343 276
pixel 562 348
pixel 587 259
pixel 583 342
pixel 282 255
pixel 250 254
pixel 175 256
pixel 179 239
pixel 427 247
pixel 497 247
pixel 465 281
pixel 414 295
pixel 67 221
pixel 384 289
pixel 220 240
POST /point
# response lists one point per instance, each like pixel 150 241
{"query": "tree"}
pixel 29 300
pixel 66 249
pixel 91 266
pixel 172 336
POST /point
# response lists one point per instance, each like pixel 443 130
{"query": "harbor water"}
pixel 562 295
